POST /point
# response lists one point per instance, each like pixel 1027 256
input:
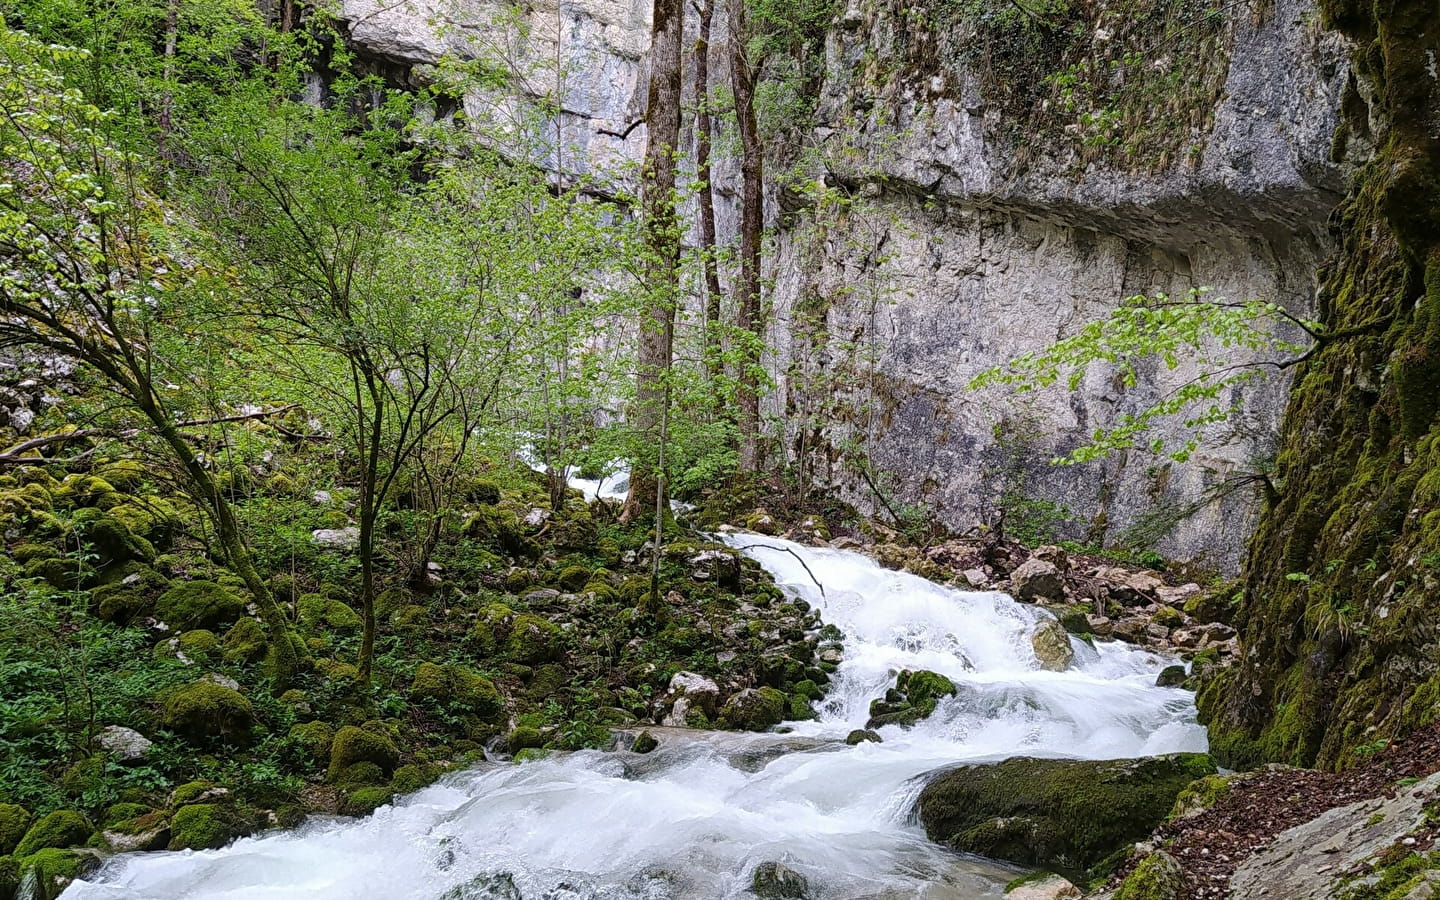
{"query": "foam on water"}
pixel 693 819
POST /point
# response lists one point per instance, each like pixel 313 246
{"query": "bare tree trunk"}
pixel 662 240
pixel 704 138
pixel 752 220
pixel 167 99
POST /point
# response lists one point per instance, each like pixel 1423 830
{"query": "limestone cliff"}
pixel 1004 180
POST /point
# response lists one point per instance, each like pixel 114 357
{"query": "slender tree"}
pixel 662 255
pixel 704 140
pixel 752 223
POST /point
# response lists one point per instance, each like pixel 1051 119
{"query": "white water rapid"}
pixel 695 817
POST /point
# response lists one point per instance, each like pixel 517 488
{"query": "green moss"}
pixel 519 637
pixel 363 801
pixel 1157 877
pixel 86 490
pixel 9 877
pixel 204 826
pixel 198 604
pixel 370 744
pixel 199 645
pixel 245 641
pixel 14 822
pixel 61 828
pixel 152 518
pixel 319 611
pixel 120 812
pixel 205 711
pixel 1064 814
pixel 314 740
pixel 358 774
pixel 531 754
pixel 190 791
pixel 1201 794
pixel 54 869
pixel 123 474
pixel 573 578
pixel 416 776
pixel 109 538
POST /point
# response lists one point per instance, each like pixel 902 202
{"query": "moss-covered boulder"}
pixel 52 870
pixel 131 594
pixel 122 474
pixel 14 822
pixel 319 611
pixel 754 709
pixel 198 604
pixel 9 877
pixel 245 641
pixel 312 741
pixel 198 646
pixel 152 518
pixel 363 801
pixel 110 539
pixel 205 826
pixel 61 828
pixel 519 637
pixel 205 711
pixel 414 777
pixel 1066 815
pixel 371 743
pixel 915 696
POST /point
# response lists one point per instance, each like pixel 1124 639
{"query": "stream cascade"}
pixel 693 819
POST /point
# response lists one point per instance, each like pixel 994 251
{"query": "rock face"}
pixel 1304 861
pixel 1061 814
pixel 963 245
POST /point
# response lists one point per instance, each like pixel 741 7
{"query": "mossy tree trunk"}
pixel 1339 646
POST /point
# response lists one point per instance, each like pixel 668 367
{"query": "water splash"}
pixel 691 820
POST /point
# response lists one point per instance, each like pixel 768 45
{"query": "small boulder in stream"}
pixel 775 881
pixel 1037 579
pixel 1060 814
pixel 1052 645
pixel 914 697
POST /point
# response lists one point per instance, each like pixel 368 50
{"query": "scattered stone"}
pixel 224 681
pixel 1051 643
pixel 347 538
pixel 1037 579
pixel 536 517
pixel 976 578
pixel 1100 626
pixel 775 881
pixel 1052 554
pixel 125 745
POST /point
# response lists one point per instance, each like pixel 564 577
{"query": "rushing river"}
pixel 695 817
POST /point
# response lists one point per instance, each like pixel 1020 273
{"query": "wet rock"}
pixel 775 881
pixel 761 522
pixel 1100 626
pixel 1171 676
pixel 645 742
pixel 1061 814
pixel 1047 886
pixel 861 735
pixel 1051 643
pixel 754 709
pixel 721 565
pixel 125 745
pixel 1177 596
pixel 1037 580
pixel 701 692
pixel 914 697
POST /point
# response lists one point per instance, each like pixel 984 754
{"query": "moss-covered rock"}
pixel 204 826
pixel 523 738
pixel 52 870
pixel 198 645
pixel 519 637
pixel 358 775
pixel 110 539
pixel 245 641
pixel 456 689
pixel 754 709
pixel 313 741
pixel 198 604
pixel 573 578
pixel 131 595
pixel 415 776
pixel 1062 814
pixel 915 696
pixel 61 828
pixel 1157 877
pixel 363 801
pixel 370 744
pixel 15 820
pixel 205 711
pixel 122 474
pixel 9 877
pixel 319 611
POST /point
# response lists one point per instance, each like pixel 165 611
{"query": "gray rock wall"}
pixel 964 249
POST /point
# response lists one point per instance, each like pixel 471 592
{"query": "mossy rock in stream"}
pixel 915 696
pixel 370 744
pixel 205 826
pixel 52 870
pixel 1066 815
